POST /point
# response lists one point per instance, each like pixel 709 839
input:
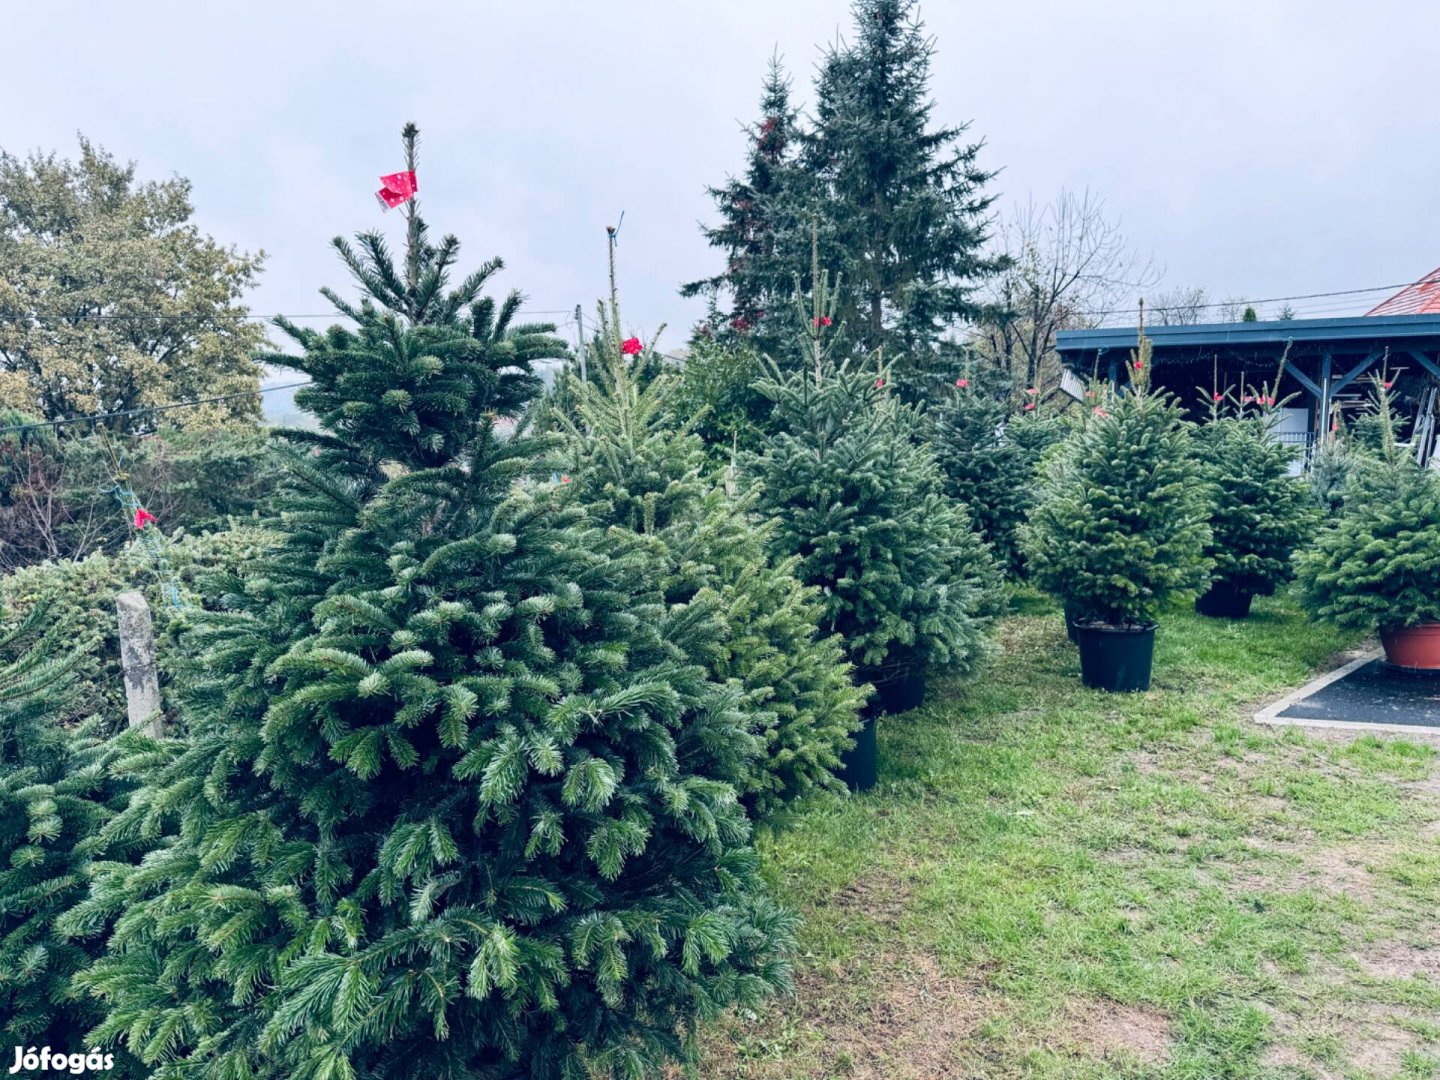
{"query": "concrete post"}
pixel 137 661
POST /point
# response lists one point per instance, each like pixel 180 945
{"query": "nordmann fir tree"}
pixel 1259 513
pixel 1376 565
pixel 1120 523
pixel 859 499
pixel 458 799
pixel 56 793
pixel 633 464
pixel 990 454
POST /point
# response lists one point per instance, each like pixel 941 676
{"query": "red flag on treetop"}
pixel 396 189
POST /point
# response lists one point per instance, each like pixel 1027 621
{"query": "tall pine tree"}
pixel 764 217
pixel 897 205
pixel 907 199
pixel 459 799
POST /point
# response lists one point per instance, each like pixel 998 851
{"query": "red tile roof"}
pixel 1422 298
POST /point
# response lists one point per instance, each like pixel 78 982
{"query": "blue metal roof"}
pixel 1353 334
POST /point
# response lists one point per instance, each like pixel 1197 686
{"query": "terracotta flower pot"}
pixel 1413 647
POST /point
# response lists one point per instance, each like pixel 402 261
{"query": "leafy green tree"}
pixel 906 200
pixel 1259 513
pixel 1377 565
pixel 1121 520
pixel 630 461
pixel 111 299
pixel 458 798
pixel 859 499
pixel 56 794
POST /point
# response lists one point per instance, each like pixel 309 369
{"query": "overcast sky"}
pixel 1258 148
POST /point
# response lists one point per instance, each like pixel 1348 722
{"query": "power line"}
pixel 246 316
pixel 1238 303
pixel 122 316
pixel 148 409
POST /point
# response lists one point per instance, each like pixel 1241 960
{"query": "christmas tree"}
pixel 906 200
pixel 458 797
pixel 858 497
pixel 1120 523
pixel 1377 565
pixel 417 289
pixel 897 205
pixel 990 455
pixel 632 463
pixel 763 231
pixel 57 791
pixel 1259 513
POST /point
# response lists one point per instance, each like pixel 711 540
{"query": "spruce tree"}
pixel 906 199
pixel 858 497
pixel 57 791
pixel 459 798
pixel 1120 523
pixel 763 229
pixel 1259 513
pixel 632 463
pixel 990 456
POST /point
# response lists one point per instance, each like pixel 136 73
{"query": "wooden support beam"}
pixel 1303 379
pixel 1355 372
pixel 1425 362
pixel 1327 366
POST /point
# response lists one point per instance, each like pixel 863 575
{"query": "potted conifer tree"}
pixel 1120 526
pixel 859 500
pixel 990 453
pixel 636 466
pixel 1259 512
pixel 1377 565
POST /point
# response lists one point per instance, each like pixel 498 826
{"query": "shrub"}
pixel 57 495
pixel 82 593
pixel 859 500
pixel 1120 523
pixel 1259 513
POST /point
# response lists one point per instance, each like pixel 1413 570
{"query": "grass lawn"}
pixel 1051 881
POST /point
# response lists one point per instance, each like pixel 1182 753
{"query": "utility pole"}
pixel 580 341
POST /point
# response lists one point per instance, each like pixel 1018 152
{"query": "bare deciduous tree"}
pixel 1070 263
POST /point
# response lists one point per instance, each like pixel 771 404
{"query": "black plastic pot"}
pixel 1224 601
pixel 900 694
pixel 1070 624
pixel 1116 658
pixel 860 765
